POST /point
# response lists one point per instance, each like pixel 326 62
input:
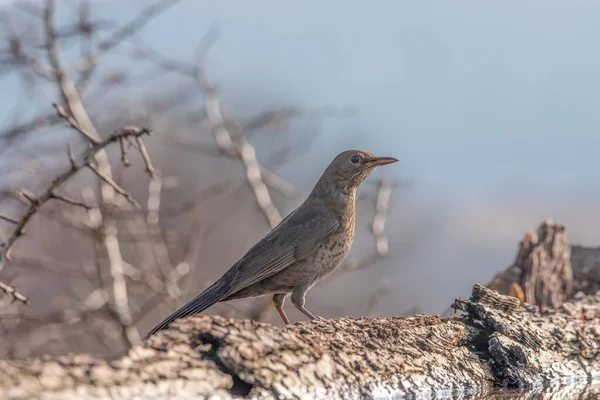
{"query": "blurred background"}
pixel 491 107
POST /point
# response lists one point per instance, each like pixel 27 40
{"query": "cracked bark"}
pixel 493 342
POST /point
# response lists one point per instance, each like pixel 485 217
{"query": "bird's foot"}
pixel 305 311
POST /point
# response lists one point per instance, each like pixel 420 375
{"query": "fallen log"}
pixel 494 342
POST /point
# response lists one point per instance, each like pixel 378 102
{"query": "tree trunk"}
pixel 493 342
pixel 548 270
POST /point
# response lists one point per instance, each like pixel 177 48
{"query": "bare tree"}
pixel 132 245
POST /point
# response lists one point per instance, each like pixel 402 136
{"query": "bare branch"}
pixel 156 238
pixel 9 290
pixel 271 117
pixel 70 154
pixel 381 208
pixel 8 219
pixel 125 32
pixel 27 196
pixel 244 150
pixel 124 158
pixel 154 194
pixel 184 206
pixel 69 201
pixel 192 251
pixel 16 130
pixel 270 178
pixel 63 114
pixel 48 264
pixel 49 193
pixel 277 183
pixel 68 92
pixel 145 156
pixel 66 220
pixel 107 239
pixel 110 182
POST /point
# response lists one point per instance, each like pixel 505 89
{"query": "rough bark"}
pixel 548 270
pixel 493 342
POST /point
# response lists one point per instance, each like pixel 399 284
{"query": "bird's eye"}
pixel 355 159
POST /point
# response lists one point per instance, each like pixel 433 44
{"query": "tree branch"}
pixel 244 150
pixel 107 237
pixel 37 202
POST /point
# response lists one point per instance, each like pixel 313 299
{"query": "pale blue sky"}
pixel 475 97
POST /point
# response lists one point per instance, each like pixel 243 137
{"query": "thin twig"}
pixel 124 158
pixel 48 264
pixel 277 183
pixel 27 196
pixel 66 220
pixel 70 155
pixel 126 31
pixel 9 290
pixel 74 124
pixel 145 157
pixel 16 130
pixel 110 182
pixel 8 219
pixel 183 206
pixel 69 201
pixel 153 204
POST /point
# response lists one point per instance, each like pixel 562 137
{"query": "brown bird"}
pixel 307 245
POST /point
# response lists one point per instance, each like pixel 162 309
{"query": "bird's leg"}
pixel 298 300
pixel 278 300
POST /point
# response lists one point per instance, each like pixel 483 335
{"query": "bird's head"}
pixel 350 168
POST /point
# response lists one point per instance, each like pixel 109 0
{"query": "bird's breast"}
pixel 335 249
pixel 328 256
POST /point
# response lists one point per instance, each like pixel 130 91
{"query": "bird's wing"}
pixel 294 239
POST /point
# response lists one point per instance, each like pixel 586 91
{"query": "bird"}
pixel 304 247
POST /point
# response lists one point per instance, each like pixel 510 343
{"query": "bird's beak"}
pixel 383 160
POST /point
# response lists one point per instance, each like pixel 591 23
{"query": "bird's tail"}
pixel 213 294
